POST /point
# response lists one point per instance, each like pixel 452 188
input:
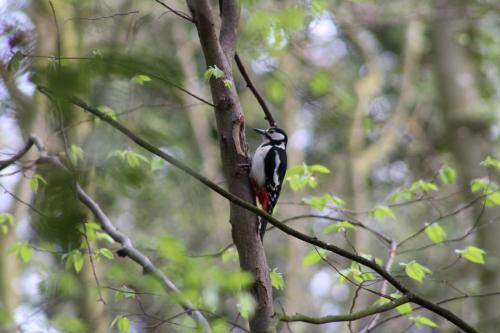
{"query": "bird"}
pixel 267 171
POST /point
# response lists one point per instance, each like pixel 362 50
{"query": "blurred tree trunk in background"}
pixel 295 275
pixel 467 125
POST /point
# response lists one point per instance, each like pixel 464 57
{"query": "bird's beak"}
pixel 260 131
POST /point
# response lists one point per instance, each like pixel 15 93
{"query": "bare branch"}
pixel 413 297
pixel 347 317
pixel 31 141
pixel 258 96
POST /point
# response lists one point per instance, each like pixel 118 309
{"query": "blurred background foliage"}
pixel 390 106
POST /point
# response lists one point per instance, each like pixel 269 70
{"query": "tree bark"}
pixel 219 51
pixel 467 134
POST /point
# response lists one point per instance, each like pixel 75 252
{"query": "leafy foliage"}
pixel 416 271
pixel 277 280
pixel 300 176
pixel 473 254
pixel 382 212
pixel 213 72
pixel 338 227
pixel 435 232
pixel 22 250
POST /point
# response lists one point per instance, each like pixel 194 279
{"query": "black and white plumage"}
pixel 268 170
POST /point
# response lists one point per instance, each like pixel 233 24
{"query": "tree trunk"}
pixel 466 131
pixel 219 51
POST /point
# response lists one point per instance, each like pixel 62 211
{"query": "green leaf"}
pixel 381 212
pixel 75 154
pixel 107 112
pixel 22 250
pixel 320 83
pixel 35 181
pixel 416 271
pixel 473 254
pixel 246 305
pixel 404 309
pixel 104 237
pixel 125 292
pixel 421 320
pixel 230 255
pixel 357 273
pixel 171 248
pixel 435 232
pixel 338 227
pixel 448 175
pixel 213 71
pixel 492 199
pixel 228 84
pixel 277 280
pixel 122 323
pixel 313 257
pixel 15 62
pixel 78 261
pixel 319 168
pixel 275 90
pixel 140 79
pixel 106 253
pixel 421 185
pixel 6 219
pixel 157 164
pixel 478 184
pixel 491 162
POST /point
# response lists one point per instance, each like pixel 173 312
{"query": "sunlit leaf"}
pixel 122 323
pixel 416 271
pixel 435 232
pixel 75 154
pixel 213 71
pixel 381 212
pixel 106 253
pixel 15 62
pixel 421 320
pixel 473 254
pixel 448 175
pixel 35 182
pixel 140 79
pixel 230 255
pixel 22 250
pixel 313 256
pixel 491 162
pixel 277 280
pixel 338 227
pixel 246 305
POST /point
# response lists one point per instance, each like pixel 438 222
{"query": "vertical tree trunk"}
pixel 219 51
pixel 466 130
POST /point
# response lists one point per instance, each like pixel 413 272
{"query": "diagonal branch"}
pixel 128 250
pixel 267 112
pixel 258 96
pixel 347 317
pixel 413 297
pixel 31 141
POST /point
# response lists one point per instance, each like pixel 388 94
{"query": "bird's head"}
pixel 273 134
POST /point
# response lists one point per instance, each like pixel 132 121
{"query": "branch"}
pixel 278 224
pixel 258 96
pixel 347 317
pixel 31 141
pixel 128 250
pixel 241 68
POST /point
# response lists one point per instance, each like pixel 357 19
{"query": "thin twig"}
pixel 258 96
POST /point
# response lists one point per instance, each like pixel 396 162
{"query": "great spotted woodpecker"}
pixel 268 170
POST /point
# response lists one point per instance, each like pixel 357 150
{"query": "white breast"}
pixel 257 172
